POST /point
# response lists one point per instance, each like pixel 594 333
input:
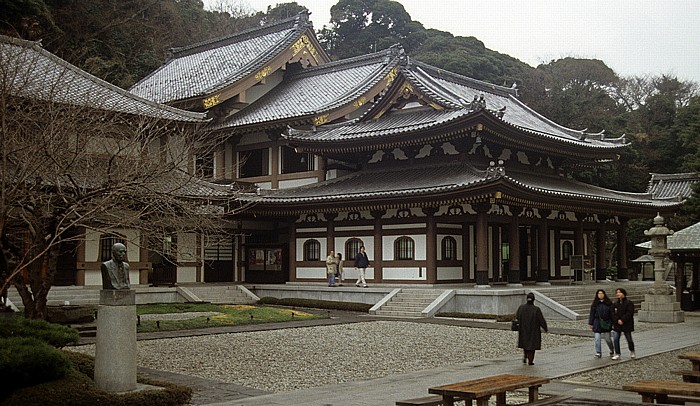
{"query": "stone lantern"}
pixel 660 304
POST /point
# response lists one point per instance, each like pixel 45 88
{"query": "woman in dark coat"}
pixel 529 334
pixel 600 321
pixel 623 322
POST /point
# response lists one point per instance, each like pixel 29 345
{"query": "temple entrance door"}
pixel 267 263
pixel 66 264
pixel 218 260
pixel 164 270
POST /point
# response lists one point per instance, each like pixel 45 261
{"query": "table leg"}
pixel 533 393
pixel 501 399
pixel 483 401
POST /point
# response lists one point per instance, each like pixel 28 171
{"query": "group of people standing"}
pixel 617 317
pixel 334 268
pixel 605 317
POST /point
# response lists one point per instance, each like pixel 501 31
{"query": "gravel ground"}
pixel 271 360
pixel 650 368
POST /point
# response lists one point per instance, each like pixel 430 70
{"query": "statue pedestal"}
pixel 115 350
pixel 660 309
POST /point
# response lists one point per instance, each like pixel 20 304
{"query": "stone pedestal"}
pixel 660 309
pixel 115 350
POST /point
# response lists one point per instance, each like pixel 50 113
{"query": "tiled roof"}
pixel 672 184
pixel 435 179
pixel 393 123
pixel 316 90
pixel 33 72
pixel 206 67
pixel 685 239
pixel 457 93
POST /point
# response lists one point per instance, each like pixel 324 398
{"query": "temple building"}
pixel 442 178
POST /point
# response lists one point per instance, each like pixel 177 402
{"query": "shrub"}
pixel 497 317
pixel 53 334
pixel 78 389
pixel 317 304
pixel 26 361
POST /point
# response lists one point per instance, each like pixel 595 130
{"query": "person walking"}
pixel 529 334
pixel 339 269
pixel 331 263
pixel 623 322
pixel 600 321
pixel 361 264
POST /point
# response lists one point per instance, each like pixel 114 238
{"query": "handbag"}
pixel 604 324
pixel 515 325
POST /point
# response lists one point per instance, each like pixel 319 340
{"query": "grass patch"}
pixel 230 315
pixel 457 315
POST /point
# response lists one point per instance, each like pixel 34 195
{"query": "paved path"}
pixel 552 363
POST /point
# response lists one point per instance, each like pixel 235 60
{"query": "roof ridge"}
pixel 299 21
pixel 466 80
pixel 36 46
pixel 349 62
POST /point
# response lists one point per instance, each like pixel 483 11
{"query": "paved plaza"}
pixel 551 363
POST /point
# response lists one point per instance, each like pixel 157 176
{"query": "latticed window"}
pixel 403 249
pixel 312 250
pixel 106 243
pixel 449 248
pixel 352 247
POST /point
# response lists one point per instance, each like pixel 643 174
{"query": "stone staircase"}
pixel 409 302
pixel 578 298
pixel 62 295
pixel 223 294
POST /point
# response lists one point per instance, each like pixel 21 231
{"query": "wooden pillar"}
pixel 482 249
pixel 514 250
pixel 466 253
pixel 330 235
pixel 80 258
pixel 293 250
pixel 376 262
pixel 601 257
pixel 430 245
pixel 543 248
pixel 622 272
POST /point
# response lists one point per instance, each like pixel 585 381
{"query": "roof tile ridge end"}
pixel 466 80
pixel 186 50
pixel 359 60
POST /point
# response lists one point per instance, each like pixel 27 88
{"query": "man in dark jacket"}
pixel 529 334
pixel 623 322
pixel 361 264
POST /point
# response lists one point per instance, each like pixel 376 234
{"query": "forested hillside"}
pixel 121 41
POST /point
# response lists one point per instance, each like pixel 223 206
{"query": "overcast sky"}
pixel 633 37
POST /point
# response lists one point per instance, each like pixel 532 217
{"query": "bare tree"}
pixel 79 154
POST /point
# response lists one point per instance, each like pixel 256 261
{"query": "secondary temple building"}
pixel 443 178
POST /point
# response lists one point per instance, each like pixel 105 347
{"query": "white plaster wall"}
pixel 408 273
pixel 186 274
pixel 186 247
pixel 92 245
pixel 457 238
pixel 264 185
pixel 300 248
pixel 351 274
pixel 449 272
pixel 388 246
pixel 311 273
pixel 284 184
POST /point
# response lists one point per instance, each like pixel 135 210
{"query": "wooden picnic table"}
pixel 482 389
pixel 665 391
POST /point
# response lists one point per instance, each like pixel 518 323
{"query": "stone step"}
pixel 390 307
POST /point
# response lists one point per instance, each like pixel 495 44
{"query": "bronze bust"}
pixel 115 272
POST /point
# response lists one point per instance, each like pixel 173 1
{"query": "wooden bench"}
pixel 552 400
pixel 688 375
pixel 435 400
pixel 665 391
pixel 482 389
pixel 431 400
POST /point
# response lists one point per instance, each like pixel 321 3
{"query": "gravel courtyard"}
pixel 297 358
